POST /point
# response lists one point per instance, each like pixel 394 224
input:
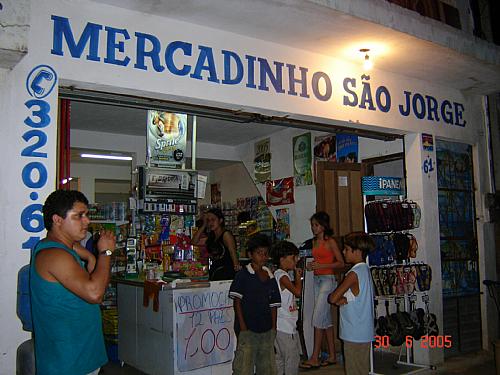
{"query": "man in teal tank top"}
pixel 65 295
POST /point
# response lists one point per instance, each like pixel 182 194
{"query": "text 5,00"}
pixel 425 342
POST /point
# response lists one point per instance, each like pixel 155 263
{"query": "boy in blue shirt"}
pixel 256 300
pixel 355 298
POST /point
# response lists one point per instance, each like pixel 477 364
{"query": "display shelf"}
pixel 118 223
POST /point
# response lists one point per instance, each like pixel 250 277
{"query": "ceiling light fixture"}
pixel 109 157
pixel 367 63
pixel 66 180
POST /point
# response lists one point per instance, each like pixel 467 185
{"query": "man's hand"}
pixel 107 240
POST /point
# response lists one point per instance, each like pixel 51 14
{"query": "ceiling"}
pixel 401 41
pixel 132 121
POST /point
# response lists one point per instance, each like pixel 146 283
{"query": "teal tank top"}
pixel 67 329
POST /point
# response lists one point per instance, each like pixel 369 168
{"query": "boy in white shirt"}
pixel 355 298
pixel 287 344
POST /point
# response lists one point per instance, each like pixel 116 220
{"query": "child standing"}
pixel 256 300
pixel 355 298
pixel 285 255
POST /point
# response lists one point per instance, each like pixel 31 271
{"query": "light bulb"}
pixel 367 64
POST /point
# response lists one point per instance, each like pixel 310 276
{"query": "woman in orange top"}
pixel 327 259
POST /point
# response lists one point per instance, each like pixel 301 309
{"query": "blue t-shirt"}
pixel 257 299
pixel 356 317
pixel 67 329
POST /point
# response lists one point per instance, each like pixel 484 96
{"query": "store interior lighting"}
pixel 108 157
pixel 367 63
pixel 66 180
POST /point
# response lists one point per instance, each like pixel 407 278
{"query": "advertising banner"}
pixel 279 192
pixel 302 159
pixel 166 139
pixel 282 224
pixel 325 148
pixel 262 160
pixel 347 148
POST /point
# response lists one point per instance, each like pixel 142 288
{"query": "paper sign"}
pixel 204 327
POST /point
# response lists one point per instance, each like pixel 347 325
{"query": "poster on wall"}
pixel 347 148
pixel 282 224
pixel 166 139
pixel 325 148
pixel 427 142
pixel 204 321
pixel 302 162
pixel 262 160
pixel 215 196
pixel 279 192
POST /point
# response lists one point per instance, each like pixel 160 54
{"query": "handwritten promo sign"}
pixel 204 327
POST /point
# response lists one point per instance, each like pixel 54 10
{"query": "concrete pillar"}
pixel 422 188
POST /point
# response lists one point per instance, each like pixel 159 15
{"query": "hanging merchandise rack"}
pixel 396 278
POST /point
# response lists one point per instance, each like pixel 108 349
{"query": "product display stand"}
pixel 368 190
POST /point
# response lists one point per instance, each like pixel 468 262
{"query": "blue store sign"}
pixel 382 185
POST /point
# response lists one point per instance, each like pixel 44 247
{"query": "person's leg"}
pixel 316 322
pixel 280 348
pixel 293 355
pixel 357 358
pixel 243 362
pixel 265 363
pixel 330 339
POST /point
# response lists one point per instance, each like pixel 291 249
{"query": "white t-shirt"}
pixel 288 312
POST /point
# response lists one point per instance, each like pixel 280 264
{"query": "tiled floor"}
pixel 472 364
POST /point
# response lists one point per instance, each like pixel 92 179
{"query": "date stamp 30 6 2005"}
pixel 425 342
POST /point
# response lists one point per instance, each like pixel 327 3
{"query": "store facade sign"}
pixel 382 185
pixel 166 139
pixel 182 58
pixel 38 125
pixel 302 159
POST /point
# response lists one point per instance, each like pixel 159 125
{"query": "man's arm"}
pixel 337 296
pixel 58 265
pixel 86 256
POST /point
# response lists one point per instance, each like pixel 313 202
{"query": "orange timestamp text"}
pixel 425 342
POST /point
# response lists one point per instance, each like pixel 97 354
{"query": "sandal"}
pixel 327 363
pixel 308 366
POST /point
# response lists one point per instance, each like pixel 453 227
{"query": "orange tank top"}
pixel 323 255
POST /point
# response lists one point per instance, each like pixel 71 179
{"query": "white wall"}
pixel 88 173
pixel 234 181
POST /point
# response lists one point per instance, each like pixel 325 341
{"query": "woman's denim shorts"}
pixel 322 314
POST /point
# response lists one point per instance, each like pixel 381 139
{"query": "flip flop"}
pixel 328 363
pixel 308 366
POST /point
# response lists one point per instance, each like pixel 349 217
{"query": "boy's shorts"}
pixel 255 350
pixel 357 358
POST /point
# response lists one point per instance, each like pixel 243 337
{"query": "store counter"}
pixel 191 333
